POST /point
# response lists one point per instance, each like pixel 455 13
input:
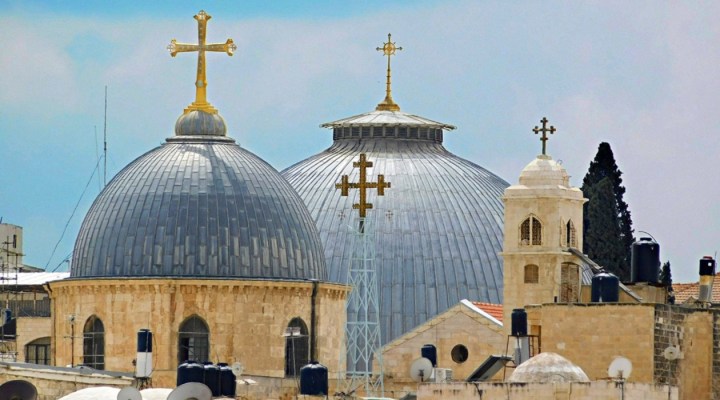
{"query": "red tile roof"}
pixel 683 291
pixel 495 310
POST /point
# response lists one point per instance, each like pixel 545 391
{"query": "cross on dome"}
pixel 388 50
pixel 363 185
pixel 545 130
pixel 228 47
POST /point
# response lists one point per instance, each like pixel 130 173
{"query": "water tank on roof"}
pixel 227 380
pixel 314 379
pixel 645 261
pixel 430 352
pixel 518 322
pixel 605 288
pixel 190 371
pixel 211 378
pixel 144 358
pixel 707 276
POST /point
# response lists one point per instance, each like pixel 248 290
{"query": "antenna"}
pixel 129 393
pixel 105 142
pixel 18 390
pixel 237 369
pixel 191 390
pixel 421 369
pixel 620 368
pixel 671 353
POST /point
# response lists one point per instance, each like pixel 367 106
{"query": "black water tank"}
pixel 144 341
pixel 707 266
pixel 605 288
pixel 314 379
pixel 430 352
pixel 518 322
pixel 227 380
pixel 645 261
pixel 190 371
pixel 211 378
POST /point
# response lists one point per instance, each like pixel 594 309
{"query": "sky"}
pixel 641 75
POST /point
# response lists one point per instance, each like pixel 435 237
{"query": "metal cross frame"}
pixel 388 50
pixel 545 130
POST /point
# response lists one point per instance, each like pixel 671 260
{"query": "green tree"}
pixel 605 167
pixel 666 280
pixel 601 240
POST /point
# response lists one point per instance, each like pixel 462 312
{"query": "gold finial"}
pixel 388 50
pixel 363 185
pixel 228 47
pixel 544 131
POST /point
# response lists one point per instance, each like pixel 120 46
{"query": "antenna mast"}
pixel 105 142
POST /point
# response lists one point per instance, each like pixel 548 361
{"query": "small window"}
pixel 193 340
pixel 459 353
pixel 94 343
pixel 571 237
pixel 38 351
pixel 531 232
pixel 532 274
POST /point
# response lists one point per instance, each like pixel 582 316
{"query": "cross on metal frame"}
pixel 544 131
pixel 388 50
pixel 228 47
pixel 363 185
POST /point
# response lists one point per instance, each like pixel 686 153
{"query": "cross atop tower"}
pixel 363 185
pixel 544 131
pixel 388 50
pixel 228 47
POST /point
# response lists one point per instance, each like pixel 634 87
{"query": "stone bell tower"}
pixel 543 218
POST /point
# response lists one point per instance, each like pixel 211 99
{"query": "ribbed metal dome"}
pixel 438 229
pixel 199 206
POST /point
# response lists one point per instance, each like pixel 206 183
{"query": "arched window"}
pixel 94 343
pixel 532 274
pixel 38 351
pixel 531 232
pixel 297 346
pixel 193 340
pixel 570 235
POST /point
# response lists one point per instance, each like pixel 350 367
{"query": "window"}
pixel 532 274
pixel 459 353
pixel 570 235
pixel 531 232
pixel 193 340
pixel 297 347
pixel 38 351
pixel 94 343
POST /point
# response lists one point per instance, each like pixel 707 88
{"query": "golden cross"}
pixel 544 131
pixel 363 185
pixel 388 50
pixel 228 47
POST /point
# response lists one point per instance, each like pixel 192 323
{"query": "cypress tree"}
pixel 605 167
pixel 666 280
pixel 601 239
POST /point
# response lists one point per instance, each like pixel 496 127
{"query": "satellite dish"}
pixel 620 368
pixel 18 390
pixel 191 391
pixel 421 369
pixel 237 369
pixel 671 353
pixel 129 393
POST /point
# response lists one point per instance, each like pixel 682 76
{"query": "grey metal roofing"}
pixel 386 118
pixel 199 207
pixel 438 229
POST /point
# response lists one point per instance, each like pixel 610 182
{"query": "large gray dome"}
pixel 199 206
pixel 438 229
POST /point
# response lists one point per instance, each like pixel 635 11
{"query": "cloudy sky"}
pixel 643 76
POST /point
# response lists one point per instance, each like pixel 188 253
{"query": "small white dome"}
pixel 543 171
pixel 548 367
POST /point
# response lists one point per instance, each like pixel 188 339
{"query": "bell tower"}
pixel 543 218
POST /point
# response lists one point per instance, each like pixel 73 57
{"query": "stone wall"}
pixel 246 320
pixel 600 390
pixel 51 384
pixel 29 329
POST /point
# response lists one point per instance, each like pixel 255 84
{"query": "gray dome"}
pixel 198 123
pixel 438 229
pixel 548 368
pixel 202 208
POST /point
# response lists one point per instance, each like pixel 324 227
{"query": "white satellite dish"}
pixel 421 369
pixel 129 393
pixel 191 391
pixel 237 369
pixel 671 353
pixel 620 368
